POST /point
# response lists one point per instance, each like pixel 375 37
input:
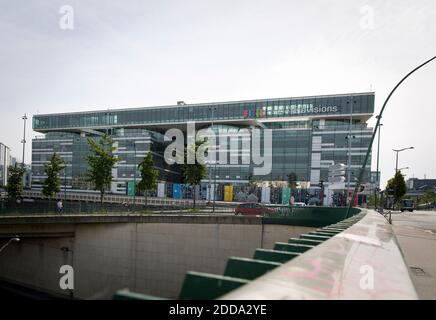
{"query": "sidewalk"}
pixel 416 234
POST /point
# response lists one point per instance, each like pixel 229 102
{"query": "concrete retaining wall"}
pixel 147 254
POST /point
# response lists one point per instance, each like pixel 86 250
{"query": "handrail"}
pixel 363 261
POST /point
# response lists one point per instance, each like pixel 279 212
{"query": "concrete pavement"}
pixel 416 235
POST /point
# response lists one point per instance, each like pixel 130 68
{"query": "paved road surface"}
pixel 416 234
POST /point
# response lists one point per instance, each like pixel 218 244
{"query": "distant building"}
pixel 418 187
pixel 5 162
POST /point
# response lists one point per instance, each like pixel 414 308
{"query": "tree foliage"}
pixel 14 187
pixel 370 201
pixel 149 175
pixel 428 197
pixel 292 180
pixel 194 173
pixel 398 185
pixel 52 184
pixel 101 161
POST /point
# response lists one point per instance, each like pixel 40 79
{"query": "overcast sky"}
pixel 142 53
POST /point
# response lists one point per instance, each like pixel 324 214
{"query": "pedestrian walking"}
pixel 60 206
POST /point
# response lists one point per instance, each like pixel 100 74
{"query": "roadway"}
pixel 416 234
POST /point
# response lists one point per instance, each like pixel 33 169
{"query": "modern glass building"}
pixel 309 134
pixel 5 162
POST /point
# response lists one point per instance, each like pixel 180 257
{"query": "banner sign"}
pixel 177 191
pixel 228 193
pixel 286 195
pixel 284 110
pixel 131 188
pixel 266 195
pixel 161 190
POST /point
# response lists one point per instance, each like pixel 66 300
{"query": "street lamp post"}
pixel 65 174
pixel 377 189
pixel 24 138
pixel 210 172
pixel 134 176
pixel 349 146
pixel 368 151
pixel 396 158
pixel 65 183
pixel 214 169
pixel 214 181
pixel 209 186
pixel 396 166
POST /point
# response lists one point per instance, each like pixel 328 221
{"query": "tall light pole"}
pixel 214 181
pixel 397 151
pixel 24 138
pixel 65 183
pixel 377 189
pixel 368 151
pixel 64 148
pixel 134 176
pixel 213 109
pixel 349 146
pixel 396 158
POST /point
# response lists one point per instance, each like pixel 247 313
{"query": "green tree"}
pixel 428 197
pixel 397 184
pixel 101 161
pixel 252 183
pixel 149 175
pixel 370 201
pixel 194 173
pixel 14 187
pixel 52 184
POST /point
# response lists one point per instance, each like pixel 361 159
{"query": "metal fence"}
pixel 40 206
pixel 309 216
pixel 112 198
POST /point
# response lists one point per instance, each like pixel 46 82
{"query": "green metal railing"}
pixel 309 216
pixel 44 207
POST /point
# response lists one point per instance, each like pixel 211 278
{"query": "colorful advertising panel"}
pixel 131 188
pixel 286 195
pixel 177 191
pixel 228 193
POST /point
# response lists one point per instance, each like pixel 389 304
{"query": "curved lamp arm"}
pixel 362 170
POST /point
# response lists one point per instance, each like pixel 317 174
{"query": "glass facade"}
pixel 309 134
pixel 131 146
pixel 255 109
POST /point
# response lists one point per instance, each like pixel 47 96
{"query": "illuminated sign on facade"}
pixel 288 110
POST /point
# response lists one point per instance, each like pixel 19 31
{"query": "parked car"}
pixel 252 209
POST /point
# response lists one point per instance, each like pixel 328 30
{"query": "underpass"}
pixel 156 254
pixel 146 253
